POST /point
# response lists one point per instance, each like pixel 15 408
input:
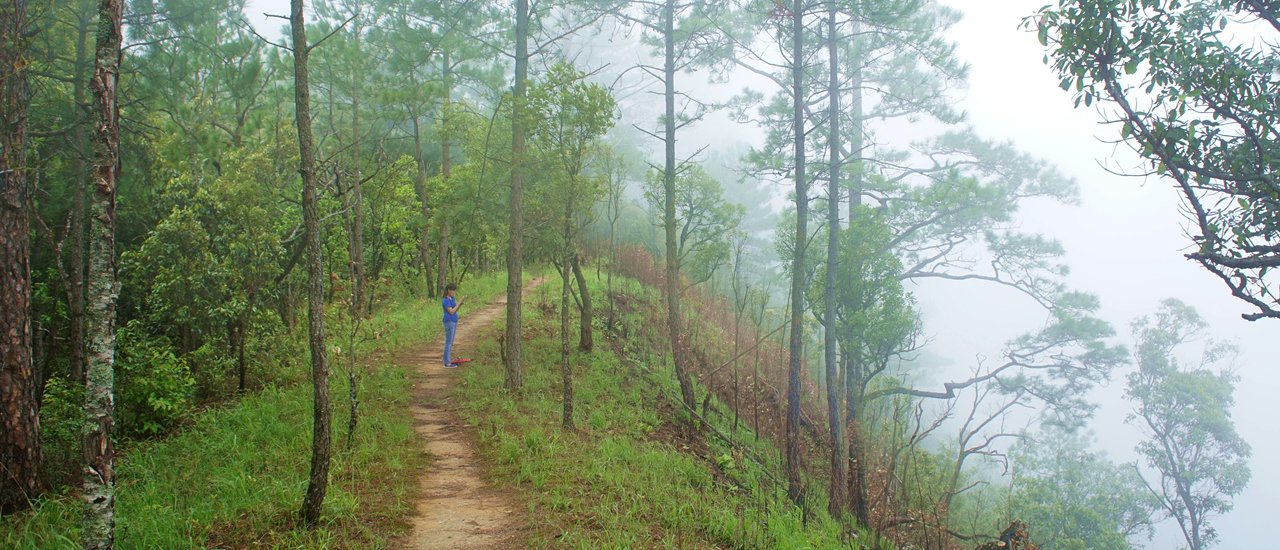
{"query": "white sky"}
pixel 1125 243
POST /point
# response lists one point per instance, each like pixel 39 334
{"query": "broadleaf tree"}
pixel 1197 460
pixel 1074 498
pixel 1200 102
pixel 569 116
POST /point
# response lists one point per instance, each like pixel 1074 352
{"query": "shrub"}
pixel 154 387
pixel 61 415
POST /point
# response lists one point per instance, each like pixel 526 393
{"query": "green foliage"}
pixel 208 84
pixel 1184 410
pixel 569 113
pixel 232 478
pixel 1197 99
pixel 1066 358
pixel 212 260
pixel 154 387
pixel 568 116
pixel 393 220
pixel 61 416
pixel 706 220
pixel 932 222
pixel 623 479
pixel 1076 499
pixel 875 315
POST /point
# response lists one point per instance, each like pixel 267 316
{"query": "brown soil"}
pixel 457 508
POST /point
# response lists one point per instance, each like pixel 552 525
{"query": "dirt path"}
pixel 457 509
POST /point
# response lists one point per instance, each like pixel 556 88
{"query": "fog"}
pixel 1125 243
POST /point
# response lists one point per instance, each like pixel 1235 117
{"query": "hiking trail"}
pixel 456 507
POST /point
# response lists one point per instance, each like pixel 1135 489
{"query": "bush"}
pixel 154 387
pixel 61 415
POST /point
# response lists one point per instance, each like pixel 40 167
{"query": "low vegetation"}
pixel 231 476
pixel 632 474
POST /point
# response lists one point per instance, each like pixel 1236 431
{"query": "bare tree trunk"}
pixel 758 319
pixel 836 504
pixel 569 263
pixel 20 450
pixel 586 338
pixel 442 265
pixel 424 252
pixel 353 381
pixel 74 276
pixel 795 485
pixel 857 454
pixel 356 243
pixel 446 167
pixel 854 381
pixel 669 209
pixel 357 198
pixel 855 133
pixel 515 259
pixel 319 480
pixel 614 199
pixel 99 472
pixel 740 301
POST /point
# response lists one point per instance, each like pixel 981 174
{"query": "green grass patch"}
pixel 235 476
pixel 624 478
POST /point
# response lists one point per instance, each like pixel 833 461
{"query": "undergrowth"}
pixel 630 475
pixel 235 475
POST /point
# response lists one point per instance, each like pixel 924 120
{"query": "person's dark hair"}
pixel 450 287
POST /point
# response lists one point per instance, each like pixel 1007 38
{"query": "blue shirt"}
pixel 445 304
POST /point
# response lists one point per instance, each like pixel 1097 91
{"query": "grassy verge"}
pixel 235 477
pixel 626 478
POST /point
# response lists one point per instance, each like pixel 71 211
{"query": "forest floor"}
pixel 457 508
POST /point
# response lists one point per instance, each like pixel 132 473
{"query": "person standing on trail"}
pixel 450 304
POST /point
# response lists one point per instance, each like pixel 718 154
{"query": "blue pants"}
pixel 450 327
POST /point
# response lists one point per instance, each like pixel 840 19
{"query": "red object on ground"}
pixel 461 360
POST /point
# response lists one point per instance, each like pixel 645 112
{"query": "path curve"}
pixel 456 509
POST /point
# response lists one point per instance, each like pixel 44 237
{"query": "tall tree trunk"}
pixel 836 504
pixel 20 451
pixel 739 307
pixel 795 485
pixel 99 472
pixel 669 207
pixel 424 203
pixel 442 267
pixel 318 482
pixel 614 199
pixel 854 382
pixel 569 263
pixel 357 198
pixel 74 277
pixel 515 259
pixel 856 145
pixel 854 388
pixel 586 339
pixel 758 321
pixel 356 244
pixel 446 166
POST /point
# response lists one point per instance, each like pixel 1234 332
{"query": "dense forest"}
pixel 690 237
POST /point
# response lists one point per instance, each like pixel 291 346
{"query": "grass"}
pixel 236 475
pixel 625 478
